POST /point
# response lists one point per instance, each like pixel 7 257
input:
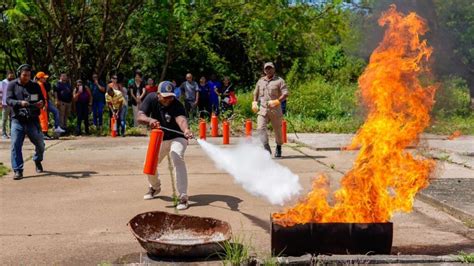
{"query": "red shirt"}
pixel 150 88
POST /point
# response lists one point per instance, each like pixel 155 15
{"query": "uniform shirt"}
pixel 267 90
pixel 30 92
pixel 166 115
pixel 117 100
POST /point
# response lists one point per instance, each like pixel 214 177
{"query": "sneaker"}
pixel 18 175
pixel 39 167
pixel 5 136
pixel 278 151
pixel 267 147
pixel 59 130
pixel 183 203
pixel 47 137
pixel 152 193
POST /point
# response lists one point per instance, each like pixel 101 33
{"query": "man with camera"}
pixel 26 100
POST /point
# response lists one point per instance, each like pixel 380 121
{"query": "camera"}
pixel 23 114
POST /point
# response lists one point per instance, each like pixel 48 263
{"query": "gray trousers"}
pixel 135 115
pixel 6 112
pixel 175 149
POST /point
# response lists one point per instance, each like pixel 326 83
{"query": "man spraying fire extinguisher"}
pixel 161 110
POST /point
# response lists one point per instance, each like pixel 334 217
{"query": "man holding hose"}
pixel 162 109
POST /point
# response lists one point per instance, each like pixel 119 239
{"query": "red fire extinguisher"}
pixel 214 125
pixel 202 129
pixel 248 128
pixel 225 132
pixel 153 152
pixel 113 127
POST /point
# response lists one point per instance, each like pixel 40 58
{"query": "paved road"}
pixel 76 212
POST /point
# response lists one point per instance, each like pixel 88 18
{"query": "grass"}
pixel 235 252
pixel 3 170
pixel 466 257
pixel 446 125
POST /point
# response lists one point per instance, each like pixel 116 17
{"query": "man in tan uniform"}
pixel 269 92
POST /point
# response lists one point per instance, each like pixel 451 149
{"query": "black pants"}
pixel 204 109
pixel 82 110
pixel 190 109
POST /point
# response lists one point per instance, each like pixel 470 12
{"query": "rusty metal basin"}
pixel 164 234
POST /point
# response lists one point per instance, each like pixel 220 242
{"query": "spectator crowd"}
pixel 88 100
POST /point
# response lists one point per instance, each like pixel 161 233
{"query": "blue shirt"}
pixel 204 92
pixel 212 85
pixel 64 91
pixel 97 95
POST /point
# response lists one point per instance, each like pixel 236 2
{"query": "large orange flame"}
pixel 385 177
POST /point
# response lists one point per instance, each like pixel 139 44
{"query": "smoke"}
pixel 253 168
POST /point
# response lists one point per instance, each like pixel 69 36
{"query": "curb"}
pixel 359 259
pixel 465 217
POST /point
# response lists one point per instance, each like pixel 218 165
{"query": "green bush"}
pixel 244 104
pixel 452 98
pixel 448 124
pixel 323 101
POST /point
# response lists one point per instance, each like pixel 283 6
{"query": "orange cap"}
pixel 41 74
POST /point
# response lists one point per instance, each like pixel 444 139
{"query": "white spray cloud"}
pixel 253 168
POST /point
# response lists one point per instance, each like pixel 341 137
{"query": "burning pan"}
pixel 163 234
pixel 332 238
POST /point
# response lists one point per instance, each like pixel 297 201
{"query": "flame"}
pixel 385 177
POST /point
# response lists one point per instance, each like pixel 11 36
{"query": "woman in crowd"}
pixel 83 98
pixel 137 92
pixel 151 87
pixel 227 95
